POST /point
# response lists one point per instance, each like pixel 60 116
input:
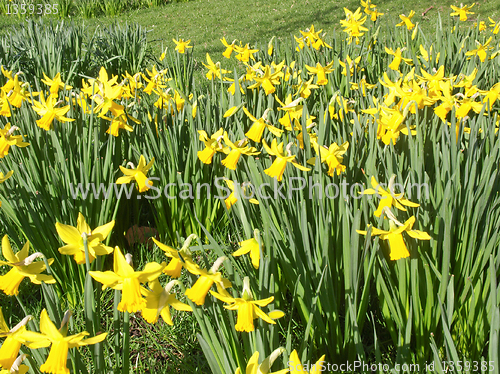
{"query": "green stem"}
pixel 126 343
pixel 116 328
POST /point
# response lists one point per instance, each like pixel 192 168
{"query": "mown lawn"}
pixel 206 22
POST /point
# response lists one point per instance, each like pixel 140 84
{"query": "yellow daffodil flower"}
pixel 124 278
pixel 248 308
pixel 427 55
pixel 237 150
pixel 351 64
pixel 232 199
pixel 397 58
pixel 15 337
pixel 138 174
pixel 18 92
pixel 353 24
pixel 213 144
pixel 229 47
pixel 481 50
pixel 306 87
pixel 406 21
pixel 294 362
pixel 119 122
pixel 73 237
pixel 17 366
pixel 362 85
pixel 466 81
pixel 8 140
pixel 279 164
pixel 175 265
pixel 257 129
pixel 332 156
pixel 494 25
pixel 253 366
pixel 491 96
pixel 244 54
pixel 198 292
pixel 47 109
pixel 268 80
pixel 60 343
pixel 388 198
pixel 181 45
pixel 55 84
pixel 214 69
pixel 320 72
pixel 105 91
pixel 462 11
pixel 250 246
pixel 397 246
pixel 23 266
pixel 159 300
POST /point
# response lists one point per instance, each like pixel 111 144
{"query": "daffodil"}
pixel 406 21
pixel 462 11
pixel 467 103
pixel 353 24
pixel 397 58
pixel 213 145
pixel 74 237
pixel 104 92
pixel 159 300
pixel 372 11
pixel 119 122
pixel 15 337
pixel 269 79
pixel 124 278
pixel 175 265
pixel 138 174
pixel 229 48
pixel 250 246
pixel 427 56
pixel 362 85
pixel 481 50
pixel 332 156
pixel 248 308
pixel 238 149
pixel 47 109
pixel 253 366
pixel 279 164
pixel 397 246
pixel 257 129
pixel 60 343
pixel 214 69
pixel 305 87
pixel 494 25
pixel 244 54
pixel 491 96
pixel 17 366
pixel 294 362
pixel 320 71
pixel 18 93
pixel 388 198
pixel 232 199
pixel 292 112
pixel 181 45
pixel 8 140
pixel 55 84
pixel 198 292
pixel 23 266
pixel 351 65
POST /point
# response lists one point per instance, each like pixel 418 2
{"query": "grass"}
pixel 205 22
pixel 176 349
